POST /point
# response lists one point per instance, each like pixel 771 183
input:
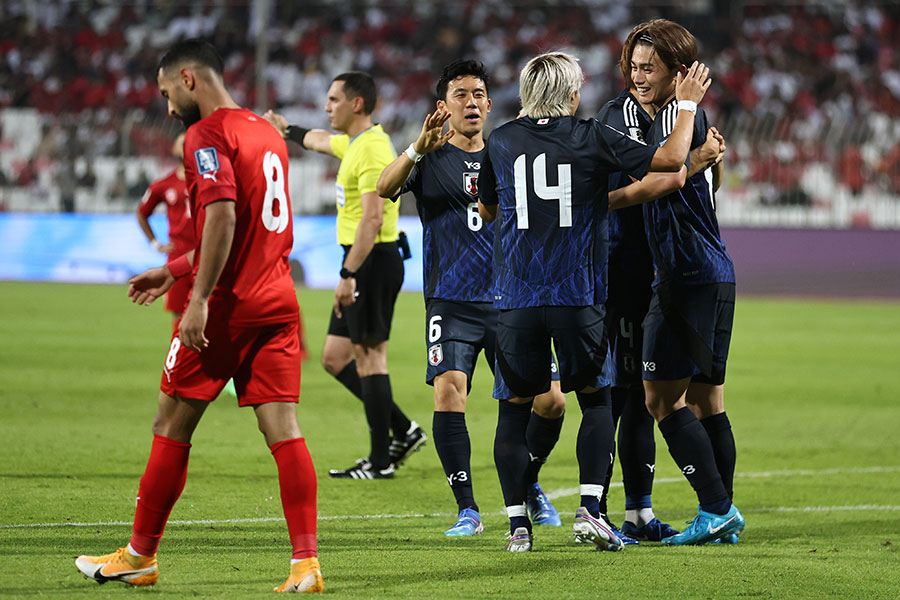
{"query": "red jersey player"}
pixel 241 319
pixel 172 191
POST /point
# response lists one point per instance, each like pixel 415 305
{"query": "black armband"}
pixel 347 273
pixel 296 134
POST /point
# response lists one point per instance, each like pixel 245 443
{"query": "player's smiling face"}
pixel 654 82
pixel 180 105
pixel 468 104
pixel 340 109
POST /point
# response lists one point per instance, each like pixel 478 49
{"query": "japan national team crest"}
pixel 470 183
pixel 207 162
pixel 435 355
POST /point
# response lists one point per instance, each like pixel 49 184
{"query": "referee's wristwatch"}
pixel 347 273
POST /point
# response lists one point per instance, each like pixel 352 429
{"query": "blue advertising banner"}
pixel 102 248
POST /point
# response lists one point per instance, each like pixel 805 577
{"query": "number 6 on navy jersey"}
pixel 561 192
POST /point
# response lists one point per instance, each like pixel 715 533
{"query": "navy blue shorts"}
pixel 625 315
pixel 579 338
pixel 687 333
pixel 455 333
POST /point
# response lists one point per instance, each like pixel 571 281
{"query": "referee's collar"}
pixel 373 127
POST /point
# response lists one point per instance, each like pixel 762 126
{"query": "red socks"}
pixel 160 488
pixel 166 472
pixel 297 478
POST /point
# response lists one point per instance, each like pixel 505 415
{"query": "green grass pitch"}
pixel 813 393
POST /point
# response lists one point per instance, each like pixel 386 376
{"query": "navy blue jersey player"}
pixel 544 179
pixel 442 171
pixel 630 277
pixel 687 329
pixel 630 273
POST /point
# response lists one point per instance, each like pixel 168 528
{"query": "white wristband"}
pixel 156 244
pixel 412 154
pixel 688 105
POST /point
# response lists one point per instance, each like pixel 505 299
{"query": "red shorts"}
pixel 177 296
pixel 263 360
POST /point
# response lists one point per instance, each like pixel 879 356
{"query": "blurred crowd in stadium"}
pixel 807 96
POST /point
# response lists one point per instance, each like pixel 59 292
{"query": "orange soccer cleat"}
pixel 305 578
pixel 121 565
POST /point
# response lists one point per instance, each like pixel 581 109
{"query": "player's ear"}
pixel 440 104
pixel 187 77
pixel 488 105
pixel 359 105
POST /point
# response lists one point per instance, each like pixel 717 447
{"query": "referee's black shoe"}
pixel 363 469
pixel 411 441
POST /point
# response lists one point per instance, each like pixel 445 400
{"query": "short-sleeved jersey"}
pixel 236 155
pixel 173 192
pixel 456 243
pixel 363 158
pixel 630 262
pixel 549 177
pixel 682 229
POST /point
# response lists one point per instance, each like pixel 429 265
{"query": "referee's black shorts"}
pixel 378 282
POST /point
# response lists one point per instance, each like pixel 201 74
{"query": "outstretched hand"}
pixel 150 285
pixel 279 122
pixel 430 138
pixel 693 84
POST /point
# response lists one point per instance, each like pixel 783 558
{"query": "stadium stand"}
pixel 807 96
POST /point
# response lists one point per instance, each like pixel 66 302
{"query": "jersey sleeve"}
pixel 211 158
pixel 339 144
pixel 701 126
pixel 623 153
pixel 152 197
pixel 487 180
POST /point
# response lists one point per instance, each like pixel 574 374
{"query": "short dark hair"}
pixel 195 50
pixel 460 68
pixel 359 85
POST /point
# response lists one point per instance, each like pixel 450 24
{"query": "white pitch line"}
pixel 560 493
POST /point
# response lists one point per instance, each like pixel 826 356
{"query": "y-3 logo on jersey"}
pixel 649 366
pixel 473 165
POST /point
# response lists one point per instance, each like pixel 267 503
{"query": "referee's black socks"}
pixel 377 400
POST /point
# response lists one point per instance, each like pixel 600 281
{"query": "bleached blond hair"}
pixel 546 84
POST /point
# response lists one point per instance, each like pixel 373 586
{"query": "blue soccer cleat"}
pixel 540 509
pixel 468 523
pixel 627 540
pixel 707 527
pixel 654 531
pixel 596 531
pixel 731 538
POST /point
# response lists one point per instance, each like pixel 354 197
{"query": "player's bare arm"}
pixel 145 288
pixel 430 139
pixel 718 169
pixel 488 213
pixel 709 153
pixel 366 232
pixel 151 236
pixel 689 88
pixel 652 186
pixel 310 139
pixel 215 246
